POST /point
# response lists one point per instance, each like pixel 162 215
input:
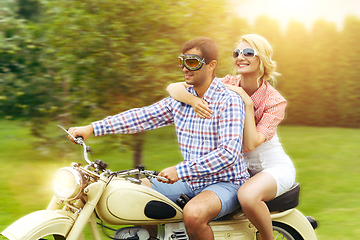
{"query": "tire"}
pixel 283 231
pixel 49 237
pixel 53 237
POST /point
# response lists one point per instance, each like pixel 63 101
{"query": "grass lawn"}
pixel 326 160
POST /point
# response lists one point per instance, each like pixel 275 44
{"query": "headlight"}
pixel 67 184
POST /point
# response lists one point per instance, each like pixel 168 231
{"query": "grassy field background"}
pixel 326 159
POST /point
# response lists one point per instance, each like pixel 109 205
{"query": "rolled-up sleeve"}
pixel 136 120
pixel 271 118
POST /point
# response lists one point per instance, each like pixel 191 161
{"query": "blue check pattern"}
pixel 211 148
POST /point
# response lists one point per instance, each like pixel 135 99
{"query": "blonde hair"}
pixel 265 52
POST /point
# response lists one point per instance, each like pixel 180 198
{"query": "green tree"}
pixel 324 106
pixel 295 77
pixel 112 55
pixel 6 5
pixel 235 27
pixel 28 9
pixel 348 84
pixel 24 83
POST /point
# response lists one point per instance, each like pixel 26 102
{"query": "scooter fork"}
pixel 87 215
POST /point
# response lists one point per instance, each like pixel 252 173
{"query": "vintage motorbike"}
pixel 95 195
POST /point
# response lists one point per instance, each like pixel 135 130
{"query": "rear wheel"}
pixel 283 231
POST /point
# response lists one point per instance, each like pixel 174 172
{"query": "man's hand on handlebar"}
pixel 84 131
pixel 169 173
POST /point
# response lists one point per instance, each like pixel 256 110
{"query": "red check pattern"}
pixel 269 106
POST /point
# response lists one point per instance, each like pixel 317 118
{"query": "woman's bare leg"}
pixel 252 194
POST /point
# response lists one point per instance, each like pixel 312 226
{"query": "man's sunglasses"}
pixel 192 62
pixel 246 52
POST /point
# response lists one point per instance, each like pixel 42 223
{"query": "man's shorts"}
pixel 226 191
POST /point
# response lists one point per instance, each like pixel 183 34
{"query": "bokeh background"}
pixel 72 62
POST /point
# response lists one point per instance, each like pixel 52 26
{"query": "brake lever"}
pixel 76 140
pixel 156 176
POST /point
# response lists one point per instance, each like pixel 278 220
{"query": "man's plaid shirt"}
pixel 212 148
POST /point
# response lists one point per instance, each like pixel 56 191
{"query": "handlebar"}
pixel 147 173
pixel 155 174
pixel 80 141
pixel 141 170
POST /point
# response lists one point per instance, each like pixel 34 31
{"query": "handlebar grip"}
pixel 79 140
pixel 163 179
pixel 156 173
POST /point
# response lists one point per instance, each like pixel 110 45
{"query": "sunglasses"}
pixel 246 52
pixel 192 62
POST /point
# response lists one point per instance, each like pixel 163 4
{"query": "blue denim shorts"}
pixel 226 191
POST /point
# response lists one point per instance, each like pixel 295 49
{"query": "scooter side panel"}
pixel 223 230
pixel 39 224
pixel 297 221
pixel 234 229
pixel 124 202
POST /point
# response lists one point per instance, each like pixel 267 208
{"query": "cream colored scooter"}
pixel 94 195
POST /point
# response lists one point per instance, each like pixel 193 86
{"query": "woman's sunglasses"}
pixel 192 62
pixel 246 52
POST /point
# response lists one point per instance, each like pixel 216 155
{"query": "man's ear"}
pixel 213 65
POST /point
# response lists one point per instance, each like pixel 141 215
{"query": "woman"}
pixel 272 171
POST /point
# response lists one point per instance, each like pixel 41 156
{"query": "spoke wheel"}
pixel 282 231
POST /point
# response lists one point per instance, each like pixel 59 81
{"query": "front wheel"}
pixel 49 237
pixel 53 237
pixel 283 231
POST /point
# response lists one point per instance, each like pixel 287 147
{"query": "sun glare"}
pixel 286 10
pixel 283 10
pixel 305 11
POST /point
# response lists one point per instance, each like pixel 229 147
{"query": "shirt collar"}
pixel 214 87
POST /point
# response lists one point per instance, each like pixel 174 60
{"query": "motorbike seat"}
pixel 286 201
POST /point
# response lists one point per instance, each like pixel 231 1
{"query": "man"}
pixel 213 167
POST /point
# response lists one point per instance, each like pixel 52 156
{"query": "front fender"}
pixel 296 220
pixel 39 224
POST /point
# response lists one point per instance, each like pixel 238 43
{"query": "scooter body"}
pixel 95 196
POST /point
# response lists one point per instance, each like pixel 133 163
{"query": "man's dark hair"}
pixel 208 48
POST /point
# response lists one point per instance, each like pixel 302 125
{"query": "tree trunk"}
pixel 139 139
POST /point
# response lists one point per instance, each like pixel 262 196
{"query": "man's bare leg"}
pixel 197 214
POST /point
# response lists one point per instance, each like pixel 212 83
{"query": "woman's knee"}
pixel 247 197
pixel 261 187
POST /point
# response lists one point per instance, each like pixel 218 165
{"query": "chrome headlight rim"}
pixel 68 184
